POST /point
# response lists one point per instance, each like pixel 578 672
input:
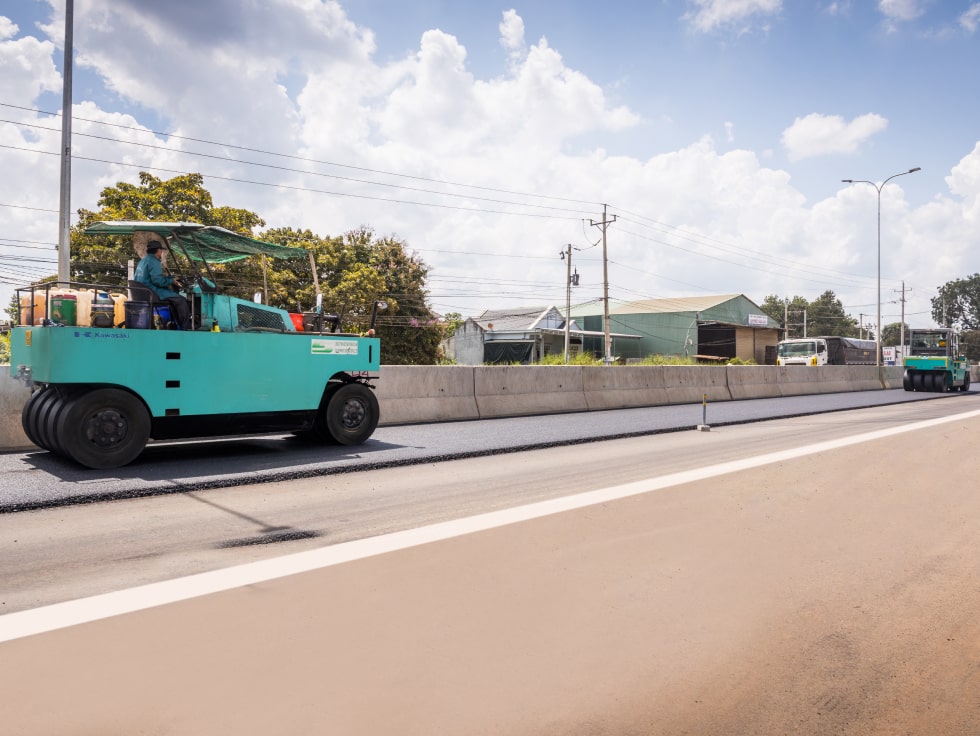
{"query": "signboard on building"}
pixel 892 356
pixel 758 320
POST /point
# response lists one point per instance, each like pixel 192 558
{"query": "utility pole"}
pixel 567 256
pixel 607 342
pixel 64 210
pixel 901 328
pixel 861 328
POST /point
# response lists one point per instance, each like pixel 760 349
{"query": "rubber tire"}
pixel 918 382
pixel 352 414
pixel 50 429
pixel 966 381
pixel 104 428
pixel 27 415
pixel 907 381
pixel 320 432
pixel 40 418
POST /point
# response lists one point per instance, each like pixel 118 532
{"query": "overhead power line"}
pixel 302 158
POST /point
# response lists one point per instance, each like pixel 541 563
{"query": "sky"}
pixel 712 135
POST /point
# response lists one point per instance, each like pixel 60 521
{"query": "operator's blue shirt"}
pixel 149 271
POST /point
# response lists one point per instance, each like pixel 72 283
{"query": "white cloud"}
pixel 964 182
pixel 712 15
pixel 970 20
pixel 8 29
pixel 901 10
pixel 28 68
pixel 512 32
pixel 819 135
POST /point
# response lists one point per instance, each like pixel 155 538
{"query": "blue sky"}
pixel 717 130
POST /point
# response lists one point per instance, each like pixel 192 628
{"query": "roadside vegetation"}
pixel 589 359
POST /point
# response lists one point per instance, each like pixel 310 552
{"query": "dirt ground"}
pixel 834 594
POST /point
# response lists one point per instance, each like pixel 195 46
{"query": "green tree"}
pixel 970 345
pixel 826 316
pixel 452 321
pixel 957 303
pixel 891 334
pixel 355 272
pixel 12 311
pixel 410 331
pixel 788 312
pixel 102 259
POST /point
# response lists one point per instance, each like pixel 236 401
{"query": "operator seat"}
pixel 139 292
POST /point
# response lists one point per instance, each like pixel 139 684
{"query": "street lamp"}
pixel 879 188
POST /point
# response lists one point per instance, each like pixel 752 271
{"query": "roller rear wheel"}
pixel 104 428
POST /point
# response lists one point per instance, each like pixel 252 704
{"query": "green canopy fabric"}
pixel 207 243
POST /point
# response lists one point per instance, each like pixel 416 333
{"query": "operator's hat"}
pixel 154 245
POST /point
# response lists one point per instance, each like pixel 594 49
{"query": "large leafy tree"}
pixel 970 345
pixel 825 315
pixel 410 331
pixel 788 312
pixel 891 334
pixel 356 274
pixel 102 259
pixel 957 303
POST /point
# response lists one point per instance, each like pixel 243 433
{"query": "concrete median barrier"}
pixel 842 378
pixel 799 380
pixel 754 381
pixel 624 387
pixel 13 396
pixel 891 376
pixel 419 393
pixel 688 384
pixel 508 391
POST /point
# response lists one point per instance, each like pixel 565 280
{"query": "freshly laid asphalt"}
pixel 39 479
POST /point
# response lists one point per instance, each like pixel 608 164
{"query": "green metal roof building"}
pixel 710 328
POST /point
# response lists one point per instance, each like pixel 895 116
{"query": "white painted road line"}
pixel 71 613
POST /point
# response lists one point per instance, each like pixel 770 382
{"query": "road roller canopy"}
pixel 203 243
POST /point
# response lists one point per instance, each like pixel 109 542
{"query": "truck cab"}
pixel 802 351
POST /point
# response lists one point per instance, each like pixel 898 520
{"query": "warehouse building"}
pixel 709 328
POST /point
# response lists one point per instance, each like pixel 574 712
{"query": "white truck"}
pixel 825 350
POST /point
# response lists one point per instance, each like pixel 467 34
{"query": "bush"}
pixel 667 360
pixel 579 359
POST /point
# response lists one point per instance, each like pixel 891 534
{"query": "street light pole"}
pixel 879 187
